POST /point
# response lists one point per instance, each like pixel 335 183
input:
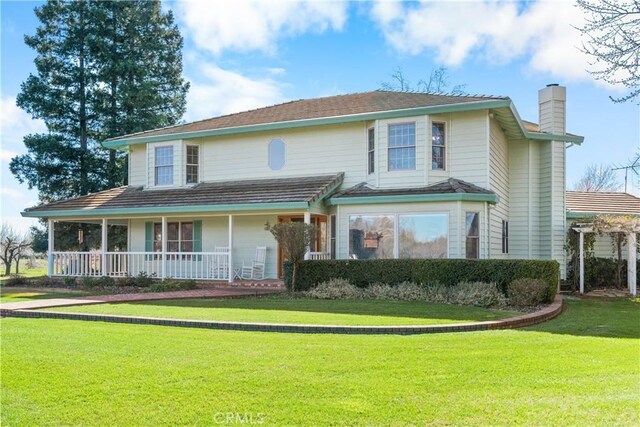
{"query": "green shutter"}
pixel 148 236
pixel 197 236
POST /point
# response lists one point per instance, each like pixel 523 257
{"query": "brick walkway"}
pixel 225 292
pixel 529 319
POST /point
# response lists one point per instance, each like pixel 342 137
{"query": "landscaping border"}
pixel 547 313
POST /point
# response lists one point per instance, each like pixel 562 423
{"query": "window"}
pixel 505 237
pixel 179 237
pixel 276 154
pixel 402 146
pixel 371 151
pixel 371 236
pixel 423 235
pixel 193 152
pixel 437 145
pixel 164 166
pixel 332 237
pixel 472 228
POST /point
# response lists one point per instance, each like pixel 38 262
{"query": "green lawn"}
pixel 39 270
pixel 582 368
pixel 281 309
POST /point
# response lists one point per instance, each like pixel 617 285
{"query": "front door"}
pixel 320 245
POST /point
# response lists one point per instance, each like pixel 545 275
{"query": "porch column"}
pixel 631 264
pixel 103 247
pixel 307 220
pixel 230 260
pixel 50 249
pixel 581 262
pixel 164 247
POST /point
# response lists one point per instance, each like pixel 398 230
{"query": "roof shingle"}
pixel 331 106
pixel 451 185
pixel 602 203
pixel 281 190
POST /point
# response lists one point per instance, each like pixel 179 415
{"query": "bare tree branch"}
pixel 612 39
pixel 598 178
pixel 438 82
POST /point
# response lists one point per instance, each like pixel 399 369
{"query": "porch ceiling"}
pixel 246 195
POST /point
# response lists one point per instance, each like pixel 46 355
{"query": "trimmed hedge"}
pixel 600 273
pixel 447 272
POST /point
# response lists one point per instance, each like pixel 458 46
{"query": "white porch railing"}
pixel 319 255
pixel 184 265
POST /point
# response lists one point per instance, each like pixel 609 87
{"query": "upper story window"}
pixel 164 165
pixel 193 157
pixel 402 146
pixel 437 145
pixel 276 154
pixel 371 150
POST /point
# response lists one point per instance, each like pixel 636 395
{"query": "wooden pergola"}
pixel 631 252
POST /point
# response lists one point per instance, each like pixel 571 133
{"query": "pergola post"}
pixel 103 248
pixel 581 262
pixel 164 247
pixel 631 263
pixel 50 249
pixel 307 220
pixel 230 269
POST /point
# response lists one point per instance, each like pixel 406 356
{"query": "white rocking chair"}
pixel 255 270
pixel 221 263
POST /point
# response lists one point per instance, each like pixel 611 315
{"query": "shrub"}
pixel 70 282
pixel 173 285
pixel 405 291
pixel 598 273
pixel 88 282
pixel 526 292
pixel 448 272
pixel 478 294
pixel 144 280
pixel 104 282
pixel 335 289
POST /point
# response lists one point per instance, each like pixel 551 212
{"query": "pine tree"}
pixel 104 69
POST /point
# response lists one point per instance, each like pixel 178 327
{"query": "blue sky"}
pixel 249 54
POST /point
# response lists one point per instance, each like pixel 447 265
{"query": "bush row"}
pixel 521 293
pixel 446 272
pixel 140 283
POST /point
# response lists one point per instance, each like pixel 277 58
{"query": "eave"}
pixel 414 198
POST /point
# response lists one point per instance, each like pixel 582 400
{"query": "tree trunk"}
pixel 294 276
pixel 7 267
pixel 82 113
pixel 18 264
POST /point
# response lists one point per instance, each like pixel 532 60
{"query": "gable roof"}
pixel 450 189
pixel 329 110
pixel 315 108
pixel 584 203
pixel 248 195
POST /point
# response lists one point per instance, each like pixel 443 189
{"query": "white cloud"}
pixel 498 32
pixel 217 91
pixel 14 197
pixel 14 125
pixel 246 25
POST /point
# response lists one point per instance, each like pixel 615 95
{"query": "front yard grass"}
pixel 18 294
pixel 283 309
pixel 581 368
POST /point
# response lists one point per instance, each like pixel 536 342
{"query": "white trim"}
pixel 50 247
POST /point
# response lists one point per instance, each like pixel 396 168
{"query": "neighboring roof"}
pixel 450 189
pixel 297 192
pixel 583 203
pixel 315 108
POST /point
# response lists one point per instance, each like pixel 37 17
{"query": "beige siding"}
pixel 467 149
pixel 558 213
pixel 309 151
pixel 138 165
pixel 544 213
pixel 519 206
pixel 499 176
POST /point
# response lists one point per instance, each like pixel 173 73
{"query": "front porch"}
pixel 207 248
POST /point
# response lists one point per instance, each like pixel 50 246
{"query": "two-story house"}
pixel 382 174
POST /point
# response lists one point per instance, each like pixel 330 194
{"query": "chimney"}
pixel 552 109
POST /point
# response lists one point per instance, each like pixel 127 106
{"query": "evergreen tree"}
pixel 104 69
